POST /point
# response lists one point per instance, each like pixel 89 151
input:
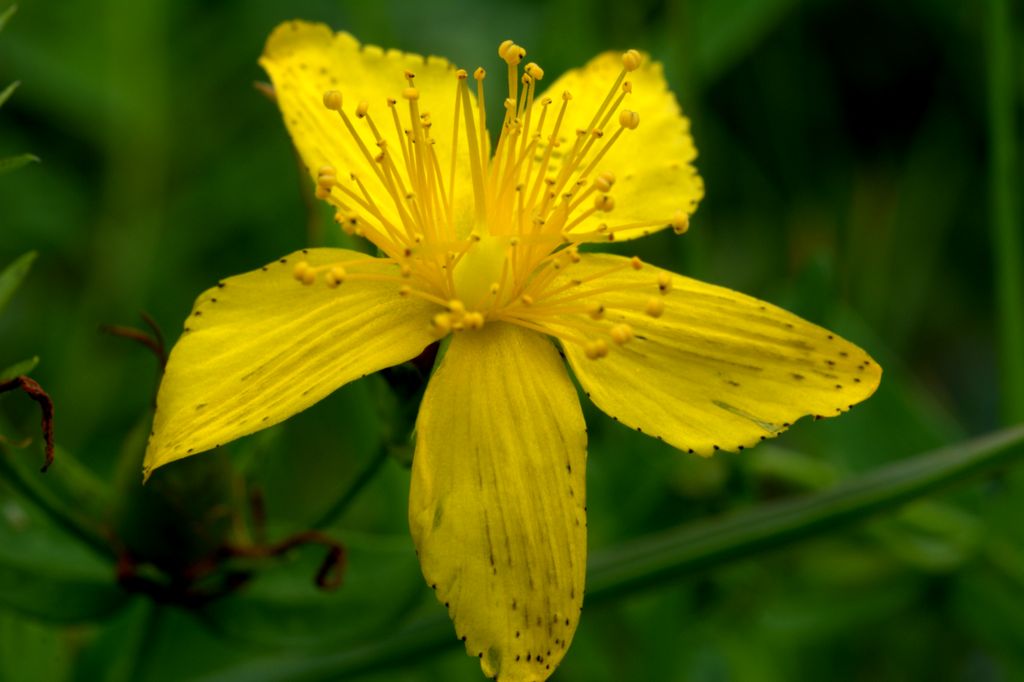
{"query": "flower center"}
pixel 533 199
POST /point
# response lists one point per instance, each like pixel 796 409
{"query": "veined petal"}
pixel 497 505
pixel 655 181
pixel 259 347
pixel 306 60
pixel 718 369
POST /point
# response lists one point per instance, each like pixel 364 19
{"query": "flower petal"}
pixel 497 500
pixel 655 181
pixel 718 369
pixel 260 347
pixel 305 60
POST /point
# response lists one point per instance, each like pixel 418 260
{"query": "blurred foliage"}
pixel 847 149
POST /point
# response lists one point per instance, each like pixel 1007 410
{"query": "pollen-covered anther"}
pixel 632 60
pixel 512 54
pixel 335 276
pixel 461 74
pixel 629 119
pixel 456 307
pixel 655 307
pixel 596 349
pixel 404 291
pixel 332 100
pixel 473 320
pixel 441 324
pixel 479 74
pixel 534 71
pixel 604 181
pixel 362 108
pixel 680 222
pixel 621 333
pixel 664 283
pixel 604 203
pixel 636 263
pixel 595 310
pixel 304 273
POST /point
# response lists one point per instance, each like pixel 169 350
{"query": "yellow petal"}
pixel 497 501
pixel 306 60
pixel 718 369
pixel 655 181
pixel 259 347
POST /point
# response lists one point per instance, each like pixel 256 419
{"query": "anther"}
pixel 326 181
pixel 597 349
pixel 604 181
pixel 473 320
pixel 335 276
pixel 461 74
pixel 534 71
pixel 604 202
pixel 664 282
pixel 632 60
pixel 304 273
pixel 411 94
pixel 362 108
pixel 526 299
pixel 504 47
pixel 655 307
pixel 621 333
pixel 629 119
pixel 456 307
pixel 332 100
pixel 442 323
pixel 595 310
pixel 680 223
pixel 636 263
pixel 480 73
pixel 627 87
pixel 566 96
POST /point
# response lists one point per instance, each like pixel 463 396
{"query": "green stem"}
pixel 338 509
pixel 1007 246
pixel 656 559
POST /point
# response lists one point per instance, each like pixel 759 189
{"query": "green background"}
pixel 860 160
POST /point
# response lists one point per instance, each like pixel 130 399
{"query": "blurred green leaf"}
pixel 30 650
pixel 283 607
pixel 690 548
pixel 8 91
pixel 18 369
pixel 12 276
pixel 47 573
pixel 665 556
pixel 11 163
pixel 6 15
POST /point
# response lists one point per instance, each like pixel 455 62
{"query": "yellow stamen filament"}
pixel 535 199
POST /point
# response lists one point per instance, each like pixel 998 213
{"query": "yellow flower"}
pixel 481 245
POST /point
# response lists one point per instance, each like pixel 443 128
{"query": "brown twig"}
pixel 154 342
pixel 36 393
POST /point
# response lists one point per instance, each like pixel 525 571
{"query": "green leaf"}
pixel 12 276
pixel 283 607
pixel 8 91
pixel 669 555
pixel 6 15
pixel 46 573
pixel 15 162
pixel 18 369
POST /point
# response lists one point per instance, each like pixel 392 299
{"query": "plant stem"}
pixel 338 509
pixel 1006 240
